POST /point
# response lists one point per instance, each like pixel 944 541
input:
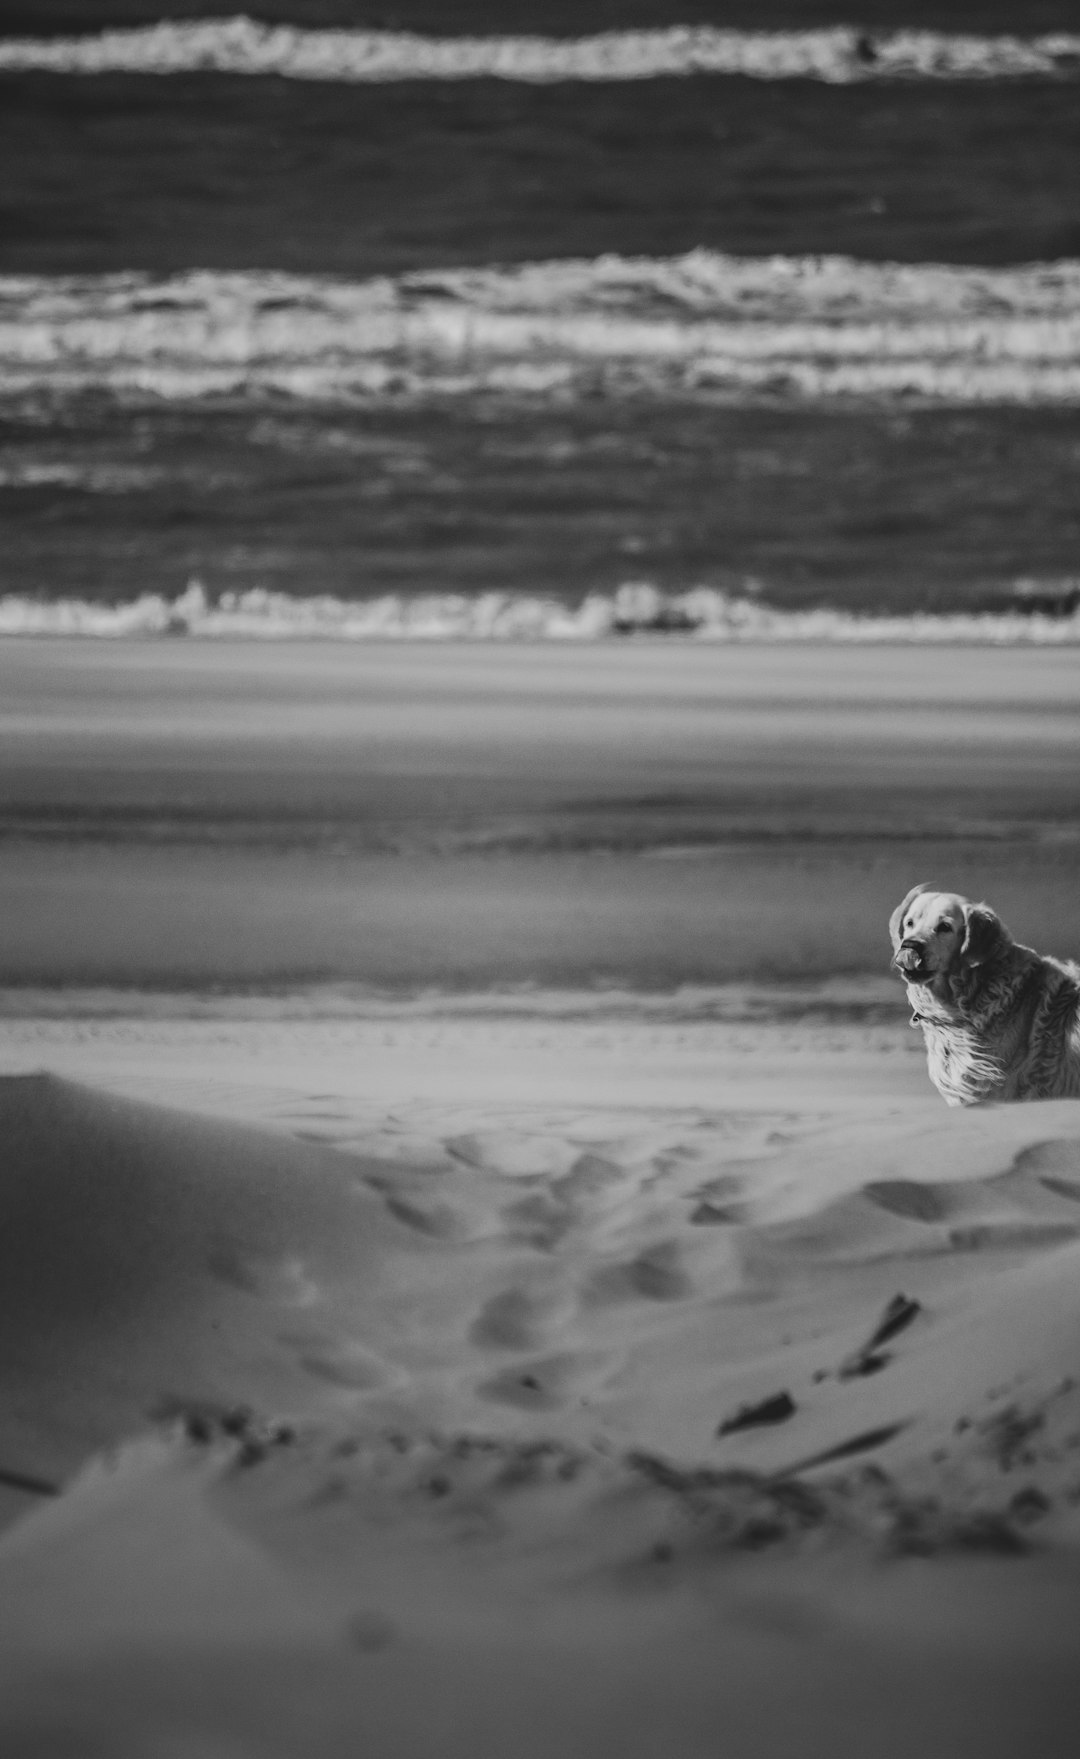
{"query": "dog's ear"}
pixel 984 934
pixel 901 911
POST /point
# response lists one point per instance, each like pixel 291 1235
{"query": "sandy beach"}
pixel 200 813
pixel 484 1267
pixel 472 1383
pixel 525 530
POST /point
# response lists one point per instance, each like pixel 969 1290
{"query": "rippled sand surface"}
pixel 455 1390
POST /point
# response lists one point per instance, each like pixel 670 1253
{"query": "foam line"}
pixel 701 614
pixel 842 55
pixel 783 327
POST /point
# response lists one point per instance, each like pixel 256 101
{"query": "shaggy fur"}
pixel 1000 1022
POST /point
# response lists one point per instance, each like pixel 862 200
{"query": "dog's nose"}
pixel 908 956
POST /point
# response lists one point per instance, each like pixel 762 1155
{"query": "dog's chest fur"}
pixel 1008 1031
pixel 957 1060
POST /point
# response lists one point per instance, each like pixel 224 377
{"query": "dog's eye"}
pixel 943 928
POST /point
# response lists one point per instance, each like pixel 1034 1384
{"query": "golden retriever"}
pixel 1000 1021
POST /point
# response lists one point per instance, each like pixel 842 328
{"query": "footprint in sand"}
pixel 1012 1209
pixel 906 1197
pixel 284 1280
pixel 431 1216
pixel 544 1217
pixel 985 1236
pixel 506 1322
pixel 1056 1166
pixel 714 1215
pixel 656 1274
pixel 541 1220
pixel 1069 1188
pixel 719 1202
pixel 431 1203
pixel 341 1363
pixel 541 1385
pixel 588 1177
pixel 513 1156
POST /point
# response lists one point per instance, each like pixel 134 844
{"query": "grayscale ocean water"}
pixel 540 321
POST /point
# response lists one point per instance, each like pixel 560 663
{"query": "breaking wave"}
pixel 798 327
pixel 702 614
pixel 841 55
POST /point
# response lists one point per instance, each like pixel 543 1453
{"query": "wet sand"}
pixel 484 1267
pixel 407 815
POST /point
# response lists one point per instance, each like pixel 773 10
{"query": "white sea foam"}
pixel 636 609
pixel 841 55
pixel 91 479
pixel 741 327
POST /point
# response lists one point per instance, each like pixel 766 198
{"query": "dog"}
pixel 1000 1021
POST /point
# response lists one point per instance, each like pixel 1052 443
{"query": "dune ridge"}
pixel 130 1215
pixel 461 1396
pixel 459 1386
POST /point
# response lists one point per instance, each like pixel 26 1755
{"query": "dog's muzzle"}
pixel 909 957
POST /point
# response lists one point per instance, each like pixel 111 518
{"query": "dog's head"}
pixel 935 933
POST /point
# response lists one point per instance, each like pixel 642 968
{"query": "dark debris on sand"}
pixel 777 1408
pixel 655 1510
pixel 869 1358
pixel 248 1435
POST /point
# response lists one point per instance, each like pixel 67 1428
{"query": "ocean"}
pixel 719 321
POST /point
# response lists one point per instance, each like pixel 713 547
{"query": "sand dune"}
pixel 152 1260
pixel 569 1428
